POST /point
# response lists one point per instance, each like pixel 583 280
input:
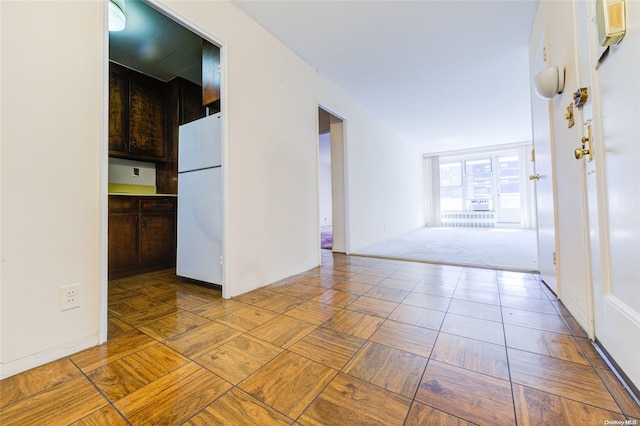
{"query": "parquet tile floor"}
pixel 356 341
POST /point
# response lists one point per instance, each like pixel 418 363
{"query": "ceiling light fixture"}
pixel 117 20
pixel 549 82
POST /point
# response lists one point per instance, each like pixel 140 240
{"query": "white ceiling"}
pixel 444 75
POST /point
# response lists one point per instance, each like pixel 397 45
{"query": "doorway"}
pixel 331 182
pixel 159 57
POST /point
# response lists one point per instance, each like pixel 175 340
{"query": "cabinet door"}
pixel 118 109
pixel 123 241
pixel 157 238
pixel 191 102
pixel 146 120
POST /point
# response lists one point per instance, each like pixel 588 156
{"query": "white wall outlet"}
pixel 69 297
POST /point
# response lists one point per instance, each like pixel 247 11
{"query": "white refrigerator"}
pixel 200 200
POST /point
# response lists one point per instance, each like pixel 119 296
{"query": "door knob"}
pixel 580 152
pixel 534 177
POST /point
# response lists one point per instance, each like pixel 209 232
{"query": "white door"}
pixel 543 171
pixel 612 179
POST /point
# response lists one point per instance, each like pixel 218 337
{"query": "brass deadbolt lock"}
pixel 580 97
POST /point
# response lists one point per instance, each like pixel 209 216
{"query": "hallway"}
pixel 355 341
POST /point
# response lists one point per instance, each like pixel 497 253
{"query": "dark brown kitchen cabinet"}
pixel 142 234
pixel 136 115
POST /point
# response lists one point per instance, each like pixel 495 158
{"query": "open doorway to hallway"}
pixel 331 182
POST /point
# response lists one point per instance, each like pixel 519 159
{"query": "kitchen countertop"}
pixel 132 194
pixel 136 190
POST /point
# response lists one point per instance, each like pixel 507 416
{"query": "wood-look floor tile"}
pixel 105 416
pixel 253 296
pixel 354 323
pixel 305 291
pixel 120 346
pixel 476 310
pixel 371 306
pixel 407 275
pixel 395 370
pixel 478 285
pixel 528 304
pixel 236 360
pixel 188 302
pixel 472 354
pixel 172 325
pixel 474 328
pixel 237 408
pixel 518 291
pixel 279 303
pixel 406 337
pixel 619 393
pixel 575 327
pixel 191 388
pixel 387 293
pixel 475 397
pixel 534 408
pixel 283 331
pixel 62 404
pixel 428 301
pixel 365 278
pixel 476 274
pixel 420 415
pixel 313 312
pixel 247 318
pixel 480 296
pixel 116 326
pixel 397 283
pixel 23 385
pixel 122 296
pixel 552 375
pixel 132 305
pixel 148 314
pixel 328 347
pixel 556 345
pixel 202 339
pixel 335 298
pixel 435 289
pixel 591 353
pixel 420 317
pixel 218 308
pixel 353 287
pixel 288 383
pixel 128 374
pixel 350 401
pixel 537 320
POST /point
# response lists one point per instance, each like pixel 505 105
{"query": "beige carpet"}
pixel 498 248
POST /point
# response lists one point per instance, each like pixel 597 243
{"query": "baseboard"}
pixel 253 285
pixel 23 364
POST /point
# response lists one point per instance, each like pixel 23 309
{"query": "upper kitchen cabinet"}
pixel 210 76
pixel 136 115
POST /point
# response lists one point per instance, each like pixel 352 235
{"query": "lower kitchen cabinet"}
pixel 142 234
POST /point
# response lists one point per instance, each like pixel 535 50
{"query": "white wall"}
pixel 571 265
pixel 51 109
pixel 52 105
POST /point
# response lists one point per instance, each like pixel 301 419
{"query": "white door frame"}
pixel 103 291
pixel 340 208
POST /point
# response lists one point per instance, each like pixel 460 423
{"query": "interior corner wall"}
pixel 558 18
pixel 52 132
pixel 51 112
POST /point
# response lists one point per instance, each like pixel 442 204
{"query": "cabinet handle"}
pixel 134 144
pixel 159 205
pixel 144 223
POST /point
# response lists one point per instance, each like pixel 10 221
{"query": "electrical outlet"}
pixel 69 297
